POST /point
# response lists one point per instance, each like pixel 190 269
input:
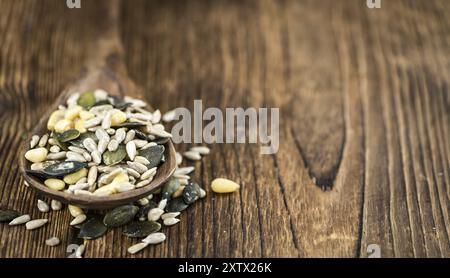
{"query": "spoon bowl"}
pixel 105 70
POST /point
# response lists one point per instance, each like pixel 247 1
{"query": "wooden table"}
pixel 365 114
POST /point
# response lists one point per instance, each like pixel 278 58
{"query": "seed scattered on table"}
pixel 54 241
pixel 20 220
pixel 34 224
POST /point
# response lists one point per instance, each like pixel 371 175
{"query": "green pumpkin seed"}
pixel 143 211
pixel 8 215
pixel 154 155
pixel 191 193
pixel 68 135
pixel 176 205
pixel 120 216
pixel 92 228
pixel 79 141
pixel 141 229
pixel 60 144
pixel 87 100
pixel 37 173
pixel 63 168
pixel 169 188
pixel 119 102
pixel 131 125
pixel 112 158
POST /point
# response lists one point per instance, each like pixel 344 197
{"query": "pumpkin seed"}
pixel 63 168
pixel 114 157
pixel 153 154
pixel 87 100
pixel 68 135
pixel 120 216
pixel 141 229
pixel 92 228
pixel 177 205
pixel 191 193
pixel 169 188
pixel 8 215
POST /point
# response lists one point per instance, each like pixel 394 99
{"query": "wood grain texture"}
pixel 364 99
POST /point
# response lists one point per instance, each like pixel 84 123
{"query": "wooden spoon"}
pixel 106 70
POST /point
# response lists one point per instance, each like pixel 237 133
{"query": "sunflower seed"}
pixel 179 158
pixel 93 122
pixel 184 170
pixel 120 216
pixel 162 204
pixel 101 133
pixel 20 220
pixel 52 241
pixel 149 173
pixel 124 187
pixel 87 156
pixel 78 220
pixel 192 155
pixel 82 180
pixel 96 157
pixel 141 229
pixel 54 149
pixel 131 150
pixel 148 145
pixel 201 150
pixel 143 202
pixel 154 238
pixel 120 135
pixel 82 192
pixel 90 144
pixel 159 133
pixel 92 175
pixel 133 173
pixel 139 167
pixel 100 95
pixel 202 193
pixel 141 160
pixel 171 221
pixel 52 142
pixel 56 156
pixel 34 224
pixel 130 136
pixel 79 186
pixel 80 251
pixel 170 215
pixel 113 145
pixel 169 116
pixel 43 141
pixel 34 141
pixel 42 206
pixel 154 214
pixel 76 149
pixel 26 183
pixel 180 176
pixel 106 123
pixel 139 143
pixel 56 205
pixel 108 178
pixel 74 210
pixel 111 131
pixel 144 183
pixel 102 145
pixel 183 181
pixel 137 247
pixel 73 156
pixel 72 100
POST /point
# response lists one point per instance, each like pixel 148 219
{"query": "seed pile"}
pixel 99 145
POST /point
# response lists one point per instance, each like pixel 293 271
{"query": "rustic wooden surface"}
pixel 365 110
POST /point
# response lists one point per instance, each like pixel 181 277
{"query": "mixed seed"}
pixel 102 145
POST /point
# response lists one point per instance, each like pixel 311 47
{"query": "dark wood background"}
pixel 365 108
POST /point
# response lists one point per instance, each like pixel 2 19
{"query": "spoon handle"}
pixel 106 51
